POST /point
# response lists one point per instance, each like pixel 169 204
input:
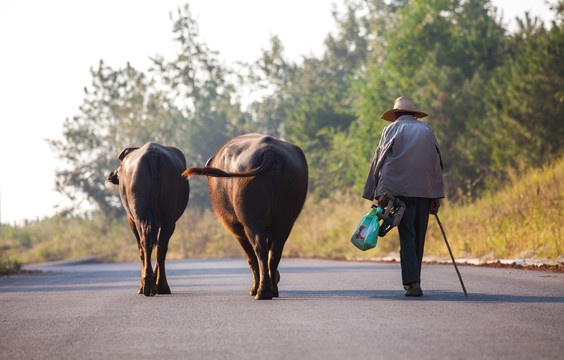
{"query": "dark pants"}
pixel 412 230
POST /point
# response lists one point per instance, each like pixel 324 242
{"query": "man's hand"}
pixel 382 201
pixel 435 205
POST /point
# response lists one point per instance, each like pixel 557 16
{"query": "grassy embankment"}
pixel 523 220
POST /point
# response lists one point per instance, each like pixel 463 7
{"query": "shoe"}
pixel 413 290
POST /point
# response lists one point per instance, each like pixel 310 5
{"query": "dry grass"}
pixel 199 234
pixel 523 220
pixel 324 230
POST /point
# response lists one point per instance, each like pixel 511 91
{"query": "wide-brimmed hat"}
pixel 403 104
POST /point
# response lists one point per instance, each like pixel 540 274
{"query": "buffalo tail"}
pixel 267 161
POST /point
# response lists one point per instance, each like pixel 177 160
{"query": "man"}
pixel 408 165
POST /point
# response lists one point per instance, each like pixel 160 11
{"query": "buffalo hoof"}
pixel 264 294
pixel 254 289
pixel 149 290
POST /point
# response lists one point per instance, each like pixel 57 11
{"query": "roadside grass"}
pixel 525 219
pixel 63 238
pixel 9 265
pixel 324 230
pixel 198 235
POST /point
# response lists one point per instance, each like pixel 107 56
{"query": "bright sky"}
pixel 48 47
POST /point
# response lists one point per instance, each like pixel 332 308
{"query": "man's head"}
pixel 403 106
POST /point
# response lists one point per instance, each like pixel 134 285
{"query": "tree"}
pixel 269 77
pixel 526 101
pixel 116 113
pixel 190 102
pixel 309 104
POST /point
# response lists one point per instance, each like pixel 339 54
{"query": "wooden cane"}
pixel 452 257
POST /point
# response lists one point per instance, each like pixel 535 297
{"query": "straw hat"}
pixel 403 104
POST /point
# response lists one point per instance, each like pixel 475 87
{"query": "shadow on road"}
pixel 429 295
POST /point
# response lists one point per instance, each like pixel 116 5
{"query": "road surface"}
pixel 326 310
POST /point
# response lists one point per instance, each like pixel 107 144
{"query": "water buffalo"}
pixel 258 185
pixel 154 195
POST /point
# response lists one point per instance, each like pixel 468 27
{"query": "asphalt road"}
pixel 326 310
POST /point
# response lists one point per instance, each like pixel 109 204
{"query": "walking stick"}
pixel 452 257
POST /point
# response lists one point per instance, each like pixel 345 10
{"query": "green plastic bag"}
pixel 366 235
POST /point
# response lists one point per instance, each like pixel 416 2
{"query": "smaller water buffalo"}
pixel 258 185
pixel 154 195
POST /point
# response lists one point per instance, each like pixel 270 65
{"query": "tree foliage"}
pixel 493 97
pixel 187 102
pixel 116 113
pixel 527 99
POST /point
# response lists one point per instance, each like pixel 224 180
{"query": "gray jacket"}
pixel 407 162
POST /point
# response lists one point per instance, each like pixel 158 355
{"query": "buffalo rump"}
pixel 154 195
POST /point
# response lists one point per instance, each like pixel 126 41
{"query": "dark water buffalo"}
pixel 154 195
pixel 258 185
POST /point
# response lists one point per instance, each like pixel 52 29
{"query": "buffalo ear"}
pixel 126 151
pixel 113 177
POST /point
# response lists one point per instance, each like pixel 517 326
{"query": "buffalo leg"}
pixel 140 247
pixel 148 284
pixel 239 233
pixel 162 247
pixel 265 291
pixel 274 256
